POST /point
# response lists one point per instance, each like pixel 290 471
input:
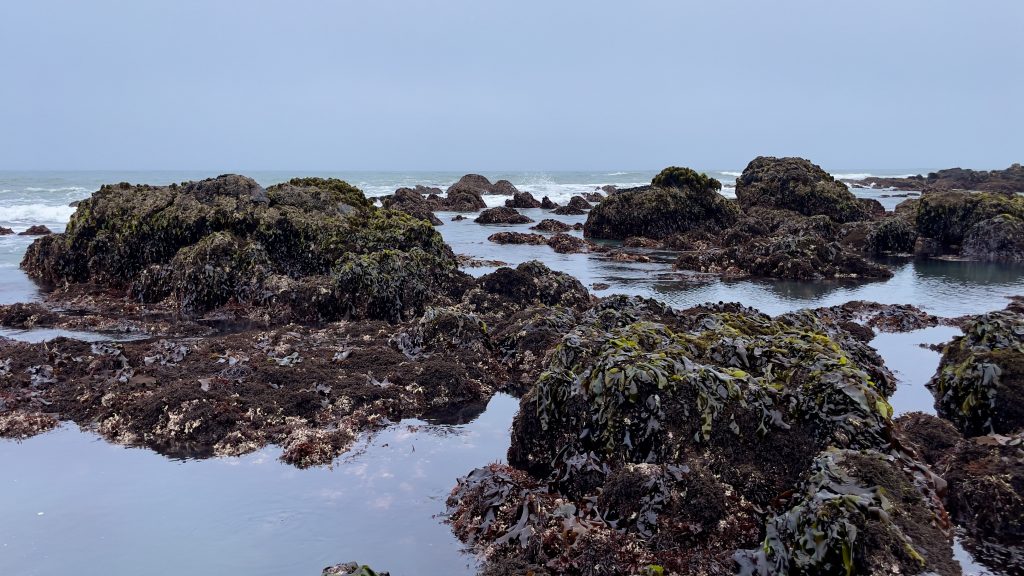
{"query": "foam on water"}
pixel 36 213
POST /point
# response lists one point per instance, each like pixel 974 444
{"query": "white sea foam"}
pixel 36 213
pixel 616 173
pixel 60 189
pixel 733 174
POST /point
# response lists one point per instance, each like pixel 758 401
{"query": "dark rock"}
pixel 641 242
pixel 651 439
pixel 530 283
pixel 517 238
pixel 309 248
pixel 609 189
pixel 1008 181
pixel 600 286
pixel 567 244
pixel 932 437
pixel 593 196
pixel 948 216
pixel 478 185
pixel 579 203
pixel 894 235
pixel 5 231
pixel 979 385
pixel 1000 238
pixel 458 218
pixel 547 204
pixel 986 487
pixel 351 569
pixel 678 201
pixel 505 188
pixel 568 211
pixel 927 247
pixel 872 206
pixel 502 215
pixel 797 184
pixel 549 225
pixel 412 202
pixel 37 230
pixel 522 200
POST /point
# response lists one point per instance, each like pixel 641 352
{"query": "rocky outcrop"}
pixel 1008 181
pixel 36 230
pixel 947 217
pixel 679 200
pixel 517 238
pixel 412 202
pixel 310 248
pixel 797 184
pixel 568 244
pixel 547 204
pixel 502 215
pixel 979 385
pixel 998 239
pixel 478 185
pixel 522 200
pixel 5 231
pixel 700 440
pixel 568 211
pixel 549 225
pixel 578 203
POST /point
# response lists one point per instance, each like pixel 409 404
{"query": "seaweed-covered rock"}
pixel 502 215
pixel 530 283
pixel 799 185
pixel 949 216
pixel 412 202
pixel 671 205
pixel 549 225
pixel 1000 238
pixel 657 438
pixel 790 257
pixel 986 487
pixel 931 437
pixel 894 235
pixel 202 245
pixel 979 385
pixel 522 200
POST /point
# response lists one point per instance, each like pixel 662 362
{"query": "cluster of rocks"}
pixel 793 220
pixel 649 440
pixel 1008 181
pixel 35 230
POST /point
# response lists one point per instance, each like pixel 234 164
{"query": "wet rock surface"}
pixel 523 200
pixel 502 215
pixel 799 185
pixel 709 440
pixel 37 230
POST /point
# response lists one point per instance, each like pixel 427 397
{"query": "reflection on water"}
pixel 913 365
pixel 74 504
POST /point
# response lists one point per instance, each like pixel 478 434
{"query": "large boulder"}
pixel 523 200
pixel 412 202
pixel 678 200
pixel 679 440
pixel 475 183
pixel 799 185
pixel 979 385
pixel 1000 238
pixel 948 216
pixel 315 248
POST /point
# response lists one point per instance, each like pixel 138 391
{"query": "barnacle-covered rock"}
pixel 530 283
pixel 678 200
pixel 550 225
pixel 799 185
pixel 203 245
pixel 1000 238
pixel 412 202
pixel 979 385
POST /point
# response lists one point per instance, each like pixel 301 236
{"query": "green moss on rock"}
pixel 799 185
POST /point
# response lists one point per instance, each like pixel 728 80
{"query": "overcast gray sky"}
pixel 473 85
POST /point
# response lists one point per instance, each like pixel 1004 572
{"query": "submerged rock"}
pixel 308 249
pixel 678 200
pixel 502 215
pixel 797 184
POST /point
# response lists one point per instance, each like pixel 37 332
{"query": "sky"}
pixel 476 85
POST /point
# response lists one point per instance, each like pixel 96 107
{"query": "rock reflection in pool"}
pixel 110 510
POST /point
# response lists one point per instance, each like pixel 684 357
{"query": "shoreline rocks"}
pixel 502 215
pixel 1008 181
